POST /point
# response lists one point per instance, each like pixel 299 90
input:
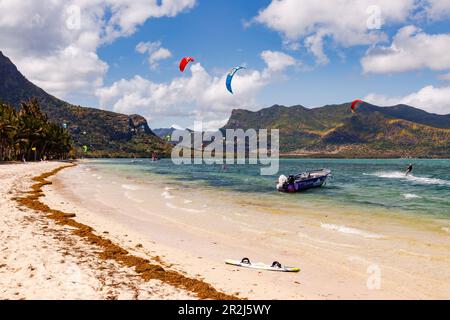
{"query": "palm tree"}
pixel 8 129
pixel 28 134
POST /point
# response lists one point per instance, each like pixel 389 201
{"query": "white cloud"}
pixel 200 95
pixel 438 9
pixel 214 125
pixel 146 47
pixel 345 22
pixel 70 68
pixel 177 127
pixel 160 54
pixel 411 49
pixel 291 45
pixel 429 98
pixel 155 52
pixel 57 49
pixel 127 15
pixel 314 43
pixel 277 61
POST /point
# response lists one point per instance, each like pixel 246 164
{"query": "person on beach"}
pixel 409 169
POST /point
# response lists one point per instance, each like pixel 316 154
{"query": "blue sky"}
pixel 214 33
pixel 295 51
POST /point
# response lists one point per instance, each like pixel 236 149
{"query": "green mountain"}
pixel 332 130
pixel 107 134
pixel 164 132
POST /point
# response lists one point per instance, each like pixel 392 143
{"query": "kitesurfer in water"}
pixel 409 169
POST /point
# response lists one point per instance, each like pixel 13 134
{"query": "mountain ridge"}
pixel 106 133
pixel 332 130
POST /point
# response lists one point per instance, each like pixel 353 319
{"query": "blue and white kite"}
pixel 230 77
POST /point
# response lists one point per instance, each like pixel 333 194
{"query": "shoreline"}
pixel 146 270
pixel 117 231
pixel 195 230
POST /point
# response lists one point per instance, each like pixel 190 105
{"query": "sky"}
pixel 123 55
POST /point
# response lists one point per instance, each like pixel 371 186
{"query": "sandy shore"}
pixel 341 257
pixel 42 259
pixel 140 227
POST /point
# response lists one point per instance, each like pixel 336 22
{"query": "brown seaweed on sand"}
pixel 111 251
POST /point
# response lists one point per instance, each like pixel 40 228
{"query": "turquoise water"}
pixel 363 183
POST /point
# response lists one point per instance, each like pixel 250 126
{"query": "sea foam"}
pixel 131 187
pixel 132 198
pixel 348 230
pixel 409 177
pixel 410 196
pixel 167 195
pixel 172 206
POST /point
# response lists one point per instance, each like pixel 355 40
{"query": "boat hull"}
pixel 304 184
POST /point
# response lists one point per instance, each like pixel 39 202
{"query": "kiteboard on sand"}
pixel 276 266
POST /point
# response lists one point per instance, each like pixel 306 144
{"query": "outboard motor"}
pixel 281 182
pixel 291 183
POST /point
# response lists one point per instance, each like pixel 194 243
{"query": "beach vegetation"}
pixel 27 134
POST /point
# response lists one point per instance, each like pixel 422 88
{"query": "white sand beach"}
pixel 42 260
pixel 340 257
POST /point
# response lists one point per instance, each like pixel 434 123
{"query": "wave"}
pixel 328 243
pixel 240 214
pixel 172 206
pixel 167 195
pixel 410 196
pixel 130 197
pixel 348 230
pixel 412 178
pixel 131 187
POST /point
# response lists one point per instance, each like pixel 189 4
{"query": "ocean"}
pixel 364 184
pixel 368 215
